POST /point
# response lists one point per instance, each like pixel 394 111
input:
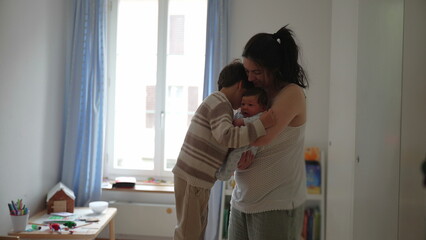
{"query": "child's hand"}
pixel 268 119
pixel 246 160
pixel 238 122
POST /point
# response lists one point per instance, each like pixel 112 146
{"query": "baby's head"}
pixel 254 101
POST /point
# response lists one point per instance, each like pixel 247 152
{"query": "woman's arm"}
pixel 289 108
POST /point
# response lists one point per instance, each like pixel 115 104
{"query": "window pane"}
pixel 176 33
pixel 185 71
pixel 154 94
pixel 136 69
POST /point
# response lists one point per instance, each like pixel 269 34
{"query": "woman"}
pixel 268 201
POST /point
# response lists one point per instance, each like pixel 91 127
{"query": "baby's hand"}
pixel 238 122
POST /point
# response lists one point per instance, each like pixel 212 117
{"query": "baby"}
pixel 253 104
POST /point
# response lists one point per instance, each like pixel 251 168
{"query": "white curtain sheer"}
pixel 216 59
pixel 85 102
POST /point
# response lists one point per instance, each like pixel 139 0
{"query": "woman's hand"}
pixel 246 160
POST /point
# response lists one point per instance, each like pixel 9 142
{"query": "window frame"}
pixel 162 52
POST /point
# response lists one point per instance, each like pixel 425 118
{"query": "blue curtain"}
pixel 216 59
pixel 85 95
pixel 216 43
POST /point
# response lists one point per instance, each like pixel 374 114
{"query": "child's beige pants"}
pixel 191 210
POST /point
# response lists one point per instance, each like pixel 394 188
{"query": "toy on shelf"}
pixel 60 199
pixel 154 181
pixel 70 224
pixel 313 170
pixel 312 154
pixel 54 227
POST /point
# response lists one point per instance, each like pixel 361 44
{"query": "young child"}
pixel 209 136
pixel 253 104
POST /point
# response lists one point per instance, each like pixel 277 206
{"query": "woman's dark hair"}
pixel 279 54
pixel 233 73
pixel 262 97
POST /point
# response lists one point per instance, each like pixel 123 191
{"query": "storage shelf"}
pixel 312 200
pixel 318 197
pixel 228 192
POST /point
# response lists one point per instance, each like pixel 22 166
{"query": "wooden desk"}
pixel 90 231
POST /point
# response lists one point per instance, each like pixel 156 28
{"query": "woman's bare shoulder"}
pixel 291 104
pixel 292 91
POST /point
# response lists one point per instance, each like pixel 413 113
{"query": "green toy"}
pixel 70 224
pixel 35 227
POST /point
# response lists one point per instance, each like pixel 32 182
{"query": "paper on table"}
pixel 47 218
pixel 62 214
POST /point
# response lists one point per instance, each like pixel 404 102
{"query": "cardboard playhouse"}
pixel 60 199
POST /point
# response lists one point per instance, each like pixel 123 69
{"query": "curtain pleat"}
pixel 85 97
pixel 216 59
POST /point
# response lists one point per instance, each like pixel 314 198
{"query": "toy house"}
pixel 60 199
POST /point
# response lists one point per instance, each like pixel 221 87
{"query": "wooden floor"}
pixel 142 238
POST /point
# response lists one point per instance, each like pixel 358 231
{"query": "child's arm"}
pixel 242 121
pixel 220 124
pixel 230 165
pixel 268 120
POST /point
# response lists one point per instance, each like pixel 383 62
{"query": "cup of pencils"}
pixel 19 215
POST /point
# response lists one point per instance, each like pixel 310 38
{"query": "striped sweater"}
pixel 208 139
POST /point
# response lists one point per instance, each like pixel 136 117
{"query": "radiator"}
pixel 144 219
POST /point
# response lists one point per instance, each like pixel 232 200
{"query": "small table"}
pixel 90 231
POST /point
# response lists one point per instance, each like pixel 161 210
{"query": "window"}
pixel 156 72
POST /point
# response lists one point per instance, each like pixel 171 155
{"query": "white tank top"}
pixel 276 180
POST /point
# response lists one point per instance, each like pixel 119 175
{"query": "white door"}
pixel 379 79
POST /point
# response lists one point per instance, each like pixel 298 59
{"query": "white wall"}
pixel 341 150
pixel 311 23
pixel 32 71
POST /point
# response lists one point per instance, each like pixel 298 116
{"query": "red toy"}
pixel 54 226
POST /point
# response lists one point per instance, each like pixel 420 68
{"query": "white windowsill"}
pixel 141 187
